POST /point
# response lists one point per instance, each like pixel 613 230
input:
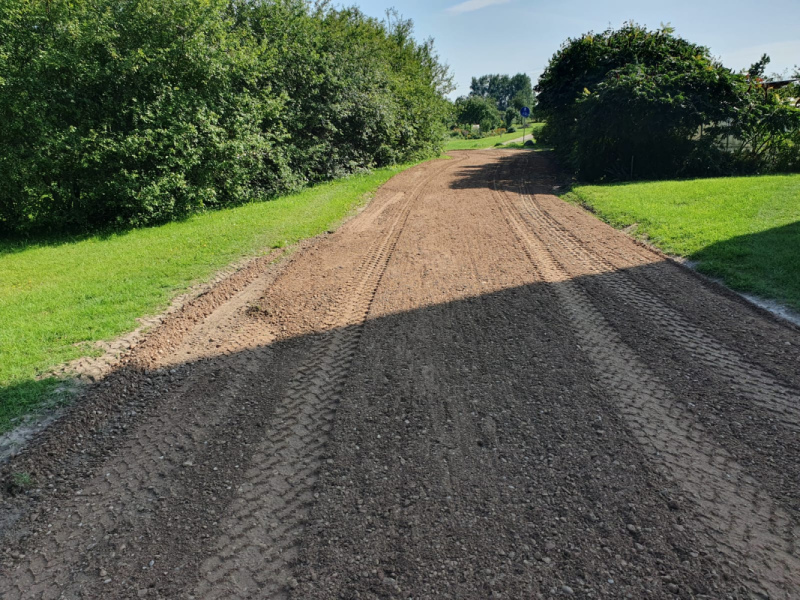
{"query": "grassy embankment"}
pixel 744 230
pixel 57 297
pixel 491 141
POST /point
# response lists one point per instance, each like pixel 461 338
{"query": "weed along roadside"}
pixel 59 298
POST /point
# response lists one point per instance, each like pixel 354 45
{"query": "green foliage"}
pixel 466 134
pixel 475 110
pixel 509 116
pixel 134 112
pixel 633 103
pixel 757 69
pixel 514 92
pixel 20 482
pixel 494 100
pixel 767 131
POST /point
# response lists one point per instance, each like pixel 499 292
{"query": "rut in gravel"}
pixel 470 390
pixel 254 558
pixel 739 516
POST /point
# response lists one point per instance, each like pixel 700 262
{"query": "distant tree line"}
pixel 633 103
pixel 507 92
pixel 493 101
pixel 133 112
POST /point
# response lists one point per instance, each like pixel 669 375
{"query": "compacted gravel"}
pixel 470 390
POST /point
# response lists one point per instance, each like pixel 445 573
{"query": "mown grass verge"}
pixel 58 297
pixel 744 230
pixel 536 146
pixel 490 142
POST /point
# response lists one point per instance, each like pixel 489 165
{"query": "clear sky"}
pixel 476 37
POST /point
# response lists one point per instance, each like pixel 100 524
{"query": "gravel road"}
pixel 471 390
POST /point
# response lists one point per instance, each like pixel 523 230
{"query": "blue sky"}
pixel 476 37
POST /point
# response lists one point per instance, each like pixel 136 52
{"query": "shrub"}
pixel 633 103
pixel 629 101
pixel 787 155
pixel 132 112
pixel 509 116
pixel 110 115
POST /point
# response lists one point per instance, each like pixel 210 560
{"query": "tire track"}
pixel 93 540
pixel 740 518
pixel 255 555
pixel 90 524
pixel 746 379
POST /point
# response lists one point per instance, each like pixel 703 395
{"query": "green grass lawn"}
pixel 537 146
pixel 56 298
pixel 490 142
pixel 744 230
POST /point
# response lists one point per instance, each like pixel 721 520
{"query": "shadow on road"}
pixel 478 423
pixel 541 169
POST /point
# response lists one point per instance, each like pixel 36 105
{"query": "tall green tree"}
pixel 475 110
pixel 505 91
pixel 509 116
pixel 758 68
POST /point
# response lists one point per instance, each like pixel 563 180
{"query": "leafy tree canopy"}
pixel 506 91
pixel 509 116
pixel 475 110
pixel 758 68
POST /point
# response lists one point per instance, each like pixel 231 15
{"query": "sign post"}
pixel 525 112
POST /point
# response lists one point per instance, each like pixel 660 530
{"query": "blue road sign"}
pixel 525 111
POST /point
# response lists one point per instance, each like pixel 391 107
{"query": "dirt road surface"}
pixel 471 390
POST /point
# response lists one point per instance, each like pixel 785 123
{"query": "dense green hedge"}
pixel 632 103
pixel 132 112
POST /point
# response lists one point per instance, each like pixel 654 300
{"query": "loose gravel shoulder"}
pixel 470 390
